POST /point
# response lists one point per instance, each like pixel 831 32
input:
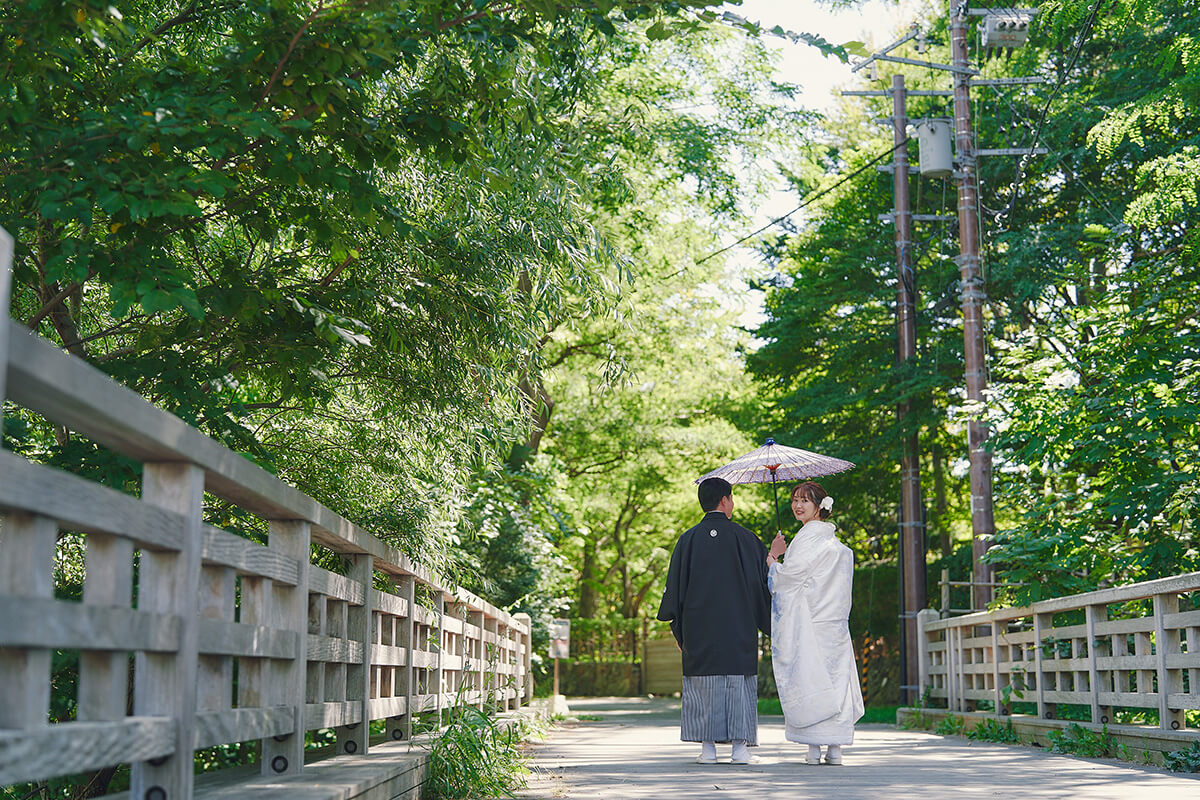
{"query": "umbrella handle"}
pixel 775 490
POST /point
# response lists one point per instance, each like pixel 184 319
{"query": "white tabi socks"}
pixel 708 753
pixel 741 753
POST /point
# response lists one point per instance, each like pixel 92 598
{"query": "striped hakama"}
pixel 720 708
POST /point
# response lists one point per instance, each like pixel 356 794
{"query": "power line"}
pixel 807 201
pixel 1084 35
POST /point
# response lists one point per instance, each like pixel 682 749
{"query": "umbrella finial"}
pixel 768 442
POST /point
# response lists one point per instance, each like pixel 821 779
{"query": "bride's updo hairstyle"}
pixel 813 491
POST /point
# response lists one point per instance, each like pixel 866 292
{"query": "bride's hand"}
pixel 778 546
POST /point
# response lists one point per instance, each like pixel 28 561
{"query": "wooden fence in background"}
pixel 230 640
pixel 1124 649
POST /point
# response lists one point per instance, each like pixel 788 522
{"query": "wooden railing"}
pixel 1131 647
pixel 193 604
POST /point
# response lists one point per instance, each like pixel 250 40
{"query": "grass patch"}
pixel 769 706
pixel 886 714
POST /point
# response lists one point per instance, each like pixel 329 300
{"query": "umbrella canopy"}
pixel 775 462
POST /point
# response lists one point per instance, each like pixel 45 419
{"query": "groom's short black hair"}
pixel 711 491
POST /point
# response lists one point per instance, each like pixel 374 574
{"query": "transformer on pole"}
pixel 1006 29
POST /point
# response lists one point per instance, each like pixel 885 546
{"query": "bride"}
pixel 811 651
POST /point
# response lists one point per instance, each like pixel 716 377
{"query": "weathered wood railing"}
pixel 1130 647
pixel 312 649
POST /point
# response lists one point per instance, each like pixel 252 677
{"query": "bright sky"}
pixel 874 23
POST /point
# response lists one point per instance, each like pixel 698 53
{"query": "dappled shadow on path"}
pixel 630 748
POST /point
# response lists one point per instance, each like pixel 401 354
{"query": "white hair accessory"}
pixel 826 503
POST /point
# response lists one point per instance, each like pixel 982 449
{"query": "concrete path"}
pixel 629 749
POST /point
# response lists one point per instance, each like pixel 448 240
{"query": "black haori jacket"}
pixel 717 598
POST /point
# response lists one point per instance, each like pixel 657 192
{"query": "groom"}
pixel 716 601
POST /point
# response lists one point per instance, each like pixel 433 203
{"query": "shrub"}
pixel 1187 760
pixel 990 730
pixel 950 726
pixel 475 757
pixel 917 721
pixel 1078 740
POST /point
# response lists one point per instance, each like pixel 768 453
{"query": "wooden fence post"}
pixel 1170 679
pixel 214 673
pixel 525 659
pixel 477 658
pixel 26 570
pixel 491 626
pixel 169 583
pixel 1042 625
pixel 108 581
pixel 400 727
pixel 1093 616
pixel 952 669
pixel 354 738
pixel 924 617
pixel 284 755
pixel 999 682
pixel 6 256
pixel 440 639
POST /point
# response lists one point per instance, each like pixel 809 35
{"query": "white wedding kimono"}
pixel 811 651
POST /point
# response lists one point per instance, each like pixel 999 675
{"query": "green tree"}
pixel 1089 252
pixel 1099 410
pixel 638 404
pixel 330 235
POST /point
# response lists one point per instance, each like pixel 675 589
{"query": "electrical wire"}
pixel 807 201
pixel 1084 35
pixel 1062 162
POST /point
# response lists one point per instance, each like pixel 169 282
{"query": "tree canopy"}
pixel 1089 252
pixel 442 265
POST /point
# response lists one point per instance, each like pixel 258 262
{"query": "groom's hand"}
pixel 778 546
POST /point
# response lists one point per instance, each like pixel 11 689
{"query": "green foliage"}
pixel 1186 760
pixel 1015 690
pixel 880 715
pixel 1080 741
pixel 475 756
pixel 950 725
pixel 508 538
pixel 1091 258
pixel 332 239
pixel 990 730
pixel 641 402
pixel 917 721
pixel 770 706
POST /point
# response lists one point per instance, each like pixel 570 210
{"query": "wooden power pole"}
pixel 912 527
pixel 973 297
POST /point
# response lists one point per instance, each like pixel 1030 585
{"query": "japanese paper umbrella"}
pixel 774 462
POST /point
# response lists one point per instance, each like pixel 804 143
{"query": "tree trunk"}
pixel 543 406
pixel 587 581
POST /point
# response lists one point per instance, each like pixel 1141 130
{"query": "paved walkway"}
pixel 629 749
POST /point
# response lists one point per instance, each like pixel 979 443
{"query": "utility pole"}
pixel 1002 29
pixel 911 545
pixel 912 529
pixel 973 297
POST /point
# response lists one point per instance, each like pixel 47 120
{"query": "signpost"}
pixel 560 644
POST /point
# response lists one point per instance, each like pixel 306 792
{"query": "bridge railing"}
pixel 1130 647
pixel 189 636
